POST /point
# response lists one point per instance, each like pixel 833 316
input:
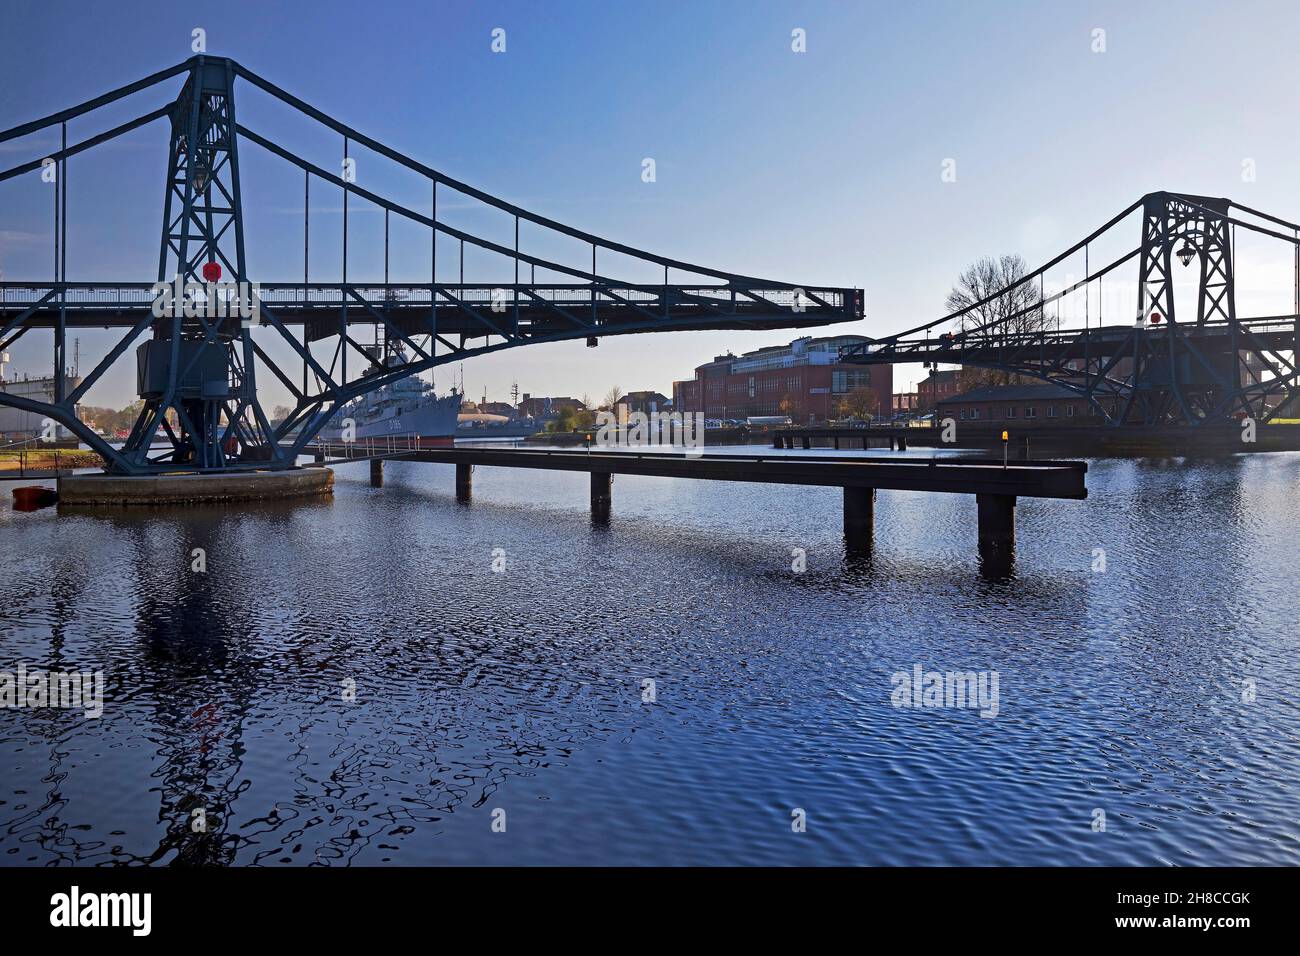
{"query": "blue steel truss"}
pixel 198 373
pixel 1158 368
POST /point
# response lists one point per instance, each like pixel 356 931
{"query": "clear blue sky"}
pixel 820 167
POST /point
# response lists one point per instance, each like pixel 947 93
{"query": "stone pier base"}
pixel 193 489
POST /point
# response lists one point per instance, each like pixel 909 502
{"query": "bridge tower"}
pixel 195 375
pixel 195 371
pixel 1174 378
pixel 1160 368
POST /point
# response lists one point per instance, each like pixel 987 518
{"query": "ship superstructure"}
pixel 409 408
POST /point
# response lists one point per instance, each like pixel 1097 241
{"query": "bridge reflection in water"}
pixel 996 484
pixel 522 690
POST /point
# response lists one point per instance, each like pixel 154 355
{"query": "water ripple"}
pixel 230 692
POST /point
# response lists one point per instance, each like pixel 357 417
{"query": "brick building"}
pixel 1024 406
pixel 804 380
pixel 686 396
pixel 936 387
pixel 905 403
pixel 647 402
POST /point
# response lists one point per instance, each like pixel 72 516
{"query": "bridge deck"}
pixel 979 476
pixel 895 436
pixel 1069 344
pixel 469 308
pixel 995 484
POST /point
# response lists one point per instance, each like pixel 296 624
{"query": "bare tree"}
pixel 613 397
pixel 1016 311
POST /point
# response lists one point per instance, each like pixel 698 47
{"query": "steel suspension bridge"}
pixel 198 372
pixel 1157 367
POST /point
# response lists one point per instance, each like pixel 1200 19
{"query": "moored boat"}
pixel 408 409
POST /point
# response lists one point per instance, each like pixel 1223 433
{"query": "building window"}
pixel 963 414
pixel 1010 411
pixel 974 414
pixel 1069 411
pixel 1051 411
pixel 1031 412
pixel 846 380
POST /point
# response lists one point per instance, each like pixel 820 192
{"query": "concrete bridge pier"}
pixel 376 473
pixel 464 482
pixel 859 518
pixel 602 494
pixel 997 528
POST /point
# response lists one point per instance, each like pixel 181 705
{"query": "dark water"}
pixel 521 691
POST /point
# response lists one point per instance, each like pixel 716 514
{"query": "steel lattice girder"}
pixel 1174 372
pixel 203 221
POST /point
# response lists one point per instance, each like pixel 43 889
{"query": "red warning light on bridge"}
pixel 1155 318
pixel 212 272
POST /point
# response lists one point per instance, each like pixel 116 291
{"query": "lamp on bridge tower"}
pixel 1187 253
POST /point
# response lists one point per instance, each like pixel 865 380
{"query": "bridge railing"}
pixel 959 343
pixel 136 294
pixel 25 449
pixel 109 294
pixel 369 447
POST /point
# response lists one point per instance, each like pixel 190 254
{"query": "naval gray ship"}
pixel 408 408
